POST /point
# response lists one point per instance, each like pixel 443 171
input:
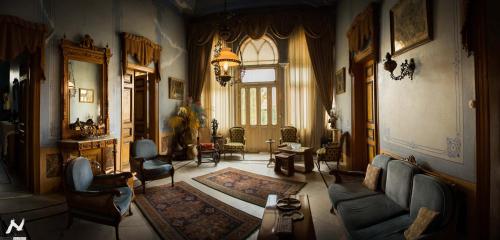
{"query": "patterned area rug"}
pixel 184 212
pixel 248 186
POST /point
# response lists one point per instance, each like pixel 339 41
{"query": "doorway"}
pixel 139 109
pixel 16 122
pixel 365 144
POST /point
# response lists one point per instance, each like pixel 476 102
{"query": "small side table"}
pixel 285 160
pixel 271 159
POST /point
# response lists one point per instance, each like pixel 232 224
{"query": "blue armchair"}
pixel 148 164
pixel 102 198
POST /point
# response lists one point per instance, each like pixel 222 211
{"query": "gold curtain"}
pixel 143 49
pixel 218 101
pixel 17 36
pixel 302 108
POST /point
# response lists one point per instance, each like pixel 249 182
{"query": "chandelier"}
pixel 224 59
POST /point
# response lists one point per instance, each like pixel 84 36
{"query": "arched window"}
pixel 259 57
pixel 259 51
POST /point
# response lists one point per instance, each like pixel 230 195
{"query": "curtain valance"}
pixel 144 50
pixel 18 35
pixel 362 29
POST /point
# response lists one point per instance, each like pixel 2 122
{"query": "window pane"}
pixel 253 106
pixel 259 75
pixel 243 107
pixel 263 106
pixel 274 111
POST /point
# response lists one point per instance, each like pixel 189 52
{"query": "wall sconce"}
pixel 407 69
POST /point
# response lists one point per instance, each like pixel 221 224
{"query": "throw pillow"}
pixel 421 222
pixel 371 177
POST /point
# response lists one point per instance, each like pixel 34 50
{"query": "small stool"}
pixel 285 160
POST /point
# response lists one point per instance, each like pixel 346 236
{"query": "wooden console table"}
pixel 100 150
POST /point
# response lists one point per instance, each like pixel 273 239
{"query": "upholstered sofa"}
pixel 389 211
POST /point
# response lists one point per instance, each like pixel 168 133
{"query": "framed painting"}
pixel 86 95
pixel 340 81
pixel 176 88
pixel 411 25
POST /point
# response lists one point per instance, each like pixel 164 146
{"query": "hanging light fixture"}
pixel 224 59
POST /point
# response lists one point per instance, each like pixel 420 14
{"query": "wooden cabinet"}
pixel 101 153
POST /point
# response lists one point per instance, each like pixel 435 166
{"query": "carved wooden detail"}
pixel 83 51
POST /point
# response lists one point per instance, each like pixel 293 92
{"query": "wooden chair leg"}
pixel 130 210
pixel 143 186
pixel 172 180
pixel 117 233
pixel 70 221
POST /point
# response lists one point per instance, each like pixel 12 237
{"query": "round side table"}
pixel 271 159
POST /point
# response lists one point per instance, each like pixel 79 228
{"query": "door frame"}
pixel 358 151
pixel 154 130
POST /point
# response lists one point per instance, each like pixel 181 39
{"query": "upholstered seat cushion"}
pixel 384 229
pixel 234 145
pixel 156 167
pixel 123 201
pixel 364 212
pixel 347 191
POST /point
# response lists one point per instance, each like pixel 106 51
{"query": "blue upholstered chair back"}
pixel 79 174
pixel 399 182
pixel 381 161
pixel 144 148
pixel 432 193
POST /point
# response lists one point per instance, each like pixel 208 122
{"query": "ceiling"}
pixel 204 7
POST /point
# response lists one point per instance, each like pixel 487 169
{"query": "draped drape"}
pixel 143 50
pixel 218 101
pixel 317 26
pixel 302 106
pixel 17 36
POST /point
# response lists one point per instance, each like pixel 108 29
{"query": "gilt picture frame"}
pixel 176 88
pixel 411 25
pixel 340 81
pixel 86 95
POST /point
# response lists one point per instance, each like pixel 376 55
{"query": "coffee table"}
pixel 302 229
pixel 308 158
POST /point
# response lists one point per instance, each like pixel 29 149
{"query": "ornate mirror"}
pixel 84 89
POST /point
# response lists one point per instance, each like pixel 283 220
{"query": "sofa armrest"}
pixel 100 202
pixel 165 158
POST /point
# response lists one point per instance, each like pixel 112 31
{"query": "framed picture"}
pixel 340 81
pixel 176 88
pixel 411 25
pixel 86 95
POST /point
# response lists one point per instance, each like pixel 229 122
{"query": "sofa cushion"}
pixel 144 148
pixel 156 167
pixel 381 230
pixel 363 212
pixel 347 191
pixel 123 201
pixel 432 193
pixel 381 161
pixel 399 182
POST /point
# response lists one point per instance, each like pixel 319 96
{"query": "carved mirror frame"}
pixel 84 51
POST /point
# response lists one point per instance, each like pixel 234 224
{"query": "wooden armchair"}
pixel 103 199
pixel 236 141
pixel 148 164
pixel 332 152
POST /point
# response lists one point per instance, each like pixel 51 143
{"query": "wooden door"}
pixel 127 133
pixel 371 116
pixel 258 112
pixel 21 132
pixel 141 116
